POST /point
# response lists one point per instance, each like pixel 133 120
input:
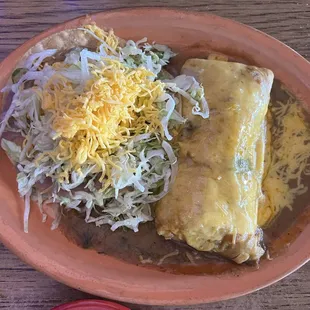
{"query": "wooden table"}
pixel 21 287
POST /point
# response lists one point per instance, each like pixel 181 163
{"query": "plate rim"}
pixel 151 300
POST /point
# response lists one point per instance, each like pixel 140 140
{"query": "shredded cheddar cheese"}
pixel 117 103
pixel 289 162
pixel 95 121
pixel 108 37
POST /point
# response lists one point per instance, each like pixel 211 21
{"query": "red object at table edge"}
pixel 91 305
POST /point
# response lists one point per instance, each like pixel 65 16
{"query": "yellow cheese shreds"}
pixel 290 160
pixel 108 36
pixel 118 102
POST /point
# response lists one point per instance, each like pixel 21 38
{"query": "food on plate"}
pixel 213 204
pixel 287 165
pixel 98 128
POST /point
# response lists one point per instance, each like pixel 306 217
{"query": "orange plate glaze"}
pixel 50 252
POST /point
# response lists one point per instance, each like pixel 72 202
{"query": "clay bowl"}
pixel 50 252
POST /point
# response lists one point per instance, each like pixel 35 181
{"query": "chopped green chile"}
pixel 17 74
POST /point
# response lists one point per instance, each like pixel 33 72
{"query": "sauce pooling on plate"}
pixel 287 161
pixel 147 248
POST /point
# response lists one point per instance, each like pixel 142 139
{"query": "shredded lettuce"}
pixel 168 109
pixel 152 57
pixel 12 150
pixel 34 61
pixel 27 211
pixel 189 88
pixel 144 167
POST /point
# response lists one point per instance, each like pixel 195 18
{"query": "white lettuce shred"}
pixel 12 150
pixel 152 57
pixel 189 88
pixel 144 168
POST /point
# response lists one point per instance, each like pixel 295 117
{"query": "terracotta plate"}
pixel 50 252
pixel 91 305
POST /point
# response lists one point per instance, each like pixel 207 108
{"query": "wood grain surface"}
pixel 21 287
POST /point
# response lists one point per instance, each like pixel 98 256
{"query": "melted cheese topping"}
pixel 289 162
